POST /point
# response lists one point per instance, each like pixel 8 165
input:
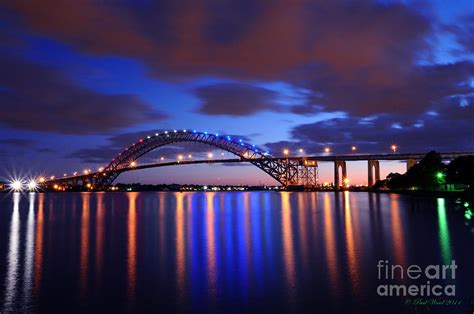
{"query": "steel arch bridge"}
pixel 284 170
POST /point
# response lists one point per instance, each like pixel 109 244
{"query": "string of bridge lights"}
pixel 327 149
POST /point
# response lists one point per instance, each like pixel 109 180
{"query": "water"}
pixel 226 252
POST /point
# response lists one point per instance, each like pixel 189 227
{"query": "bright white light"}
pixel 16 185
pixel 32 185
pixel 210 155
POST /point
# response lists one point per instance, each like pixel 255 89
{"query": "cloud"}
pixel 39 98
pixel 420 89
pixel 463 31
pixel 18 142
pixel 235 37
pixel 358 57
pixel 236 99
pixel 450 130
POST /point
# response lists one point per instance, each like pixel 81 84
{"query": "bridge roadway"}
pixel 332 158
pixel 339 163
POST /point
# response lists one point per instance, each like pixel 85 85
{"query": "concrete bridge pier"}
pixel 373 165
pixel 411 163
pixel 337 180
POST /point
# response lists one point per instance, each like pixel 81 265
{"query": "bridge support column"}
pixel 411 163
pixel 337 180
pixel 373 165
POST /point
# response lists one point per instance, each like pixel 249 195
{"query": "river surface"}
pixel 228 252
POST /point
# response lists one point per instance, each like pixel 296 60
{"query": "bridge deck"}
pixel 332 158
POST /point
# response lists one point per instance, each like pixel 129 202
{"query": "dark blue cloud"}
pixel 40 98
pixel 236 99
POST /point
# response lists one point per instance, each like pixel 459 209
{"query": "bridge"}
pixel 288 171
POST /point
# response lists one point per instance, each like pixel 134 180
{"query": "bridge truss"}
pixel 287 171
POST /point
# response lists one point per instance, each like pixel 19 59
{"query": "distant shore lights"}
pixel 16 185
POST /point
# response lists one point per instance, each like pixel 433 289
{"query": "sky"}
pixel 81 80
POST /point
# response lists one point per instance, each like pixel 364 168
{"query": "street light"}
pixel 394 148
pixel 16 185
pixel 32 185
pixel 180 157
pixel 133 164
pixel 210 155
pixel 286 152
pixel 327 150
pixel 301 150
pixel 353 148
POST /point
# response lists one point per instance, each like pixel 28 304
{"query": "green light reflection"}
pixel 444 240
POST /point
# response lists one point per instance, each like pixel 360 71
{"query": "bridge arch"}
pixel 236 146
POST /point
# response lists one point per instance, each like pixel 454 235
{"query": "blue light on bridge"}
pixel 205 132
pixel 194 131
pixel 217 134
pixel 228 138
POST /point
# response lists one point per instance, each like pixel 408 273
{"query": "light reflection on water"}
pixel 132 246
pixel 13 257
pixel 84 248
pixel 218 252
